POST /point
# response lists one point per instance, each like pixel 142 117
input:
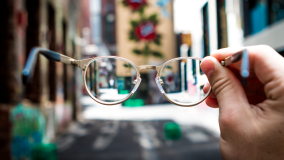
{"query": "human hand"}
pixel 251 118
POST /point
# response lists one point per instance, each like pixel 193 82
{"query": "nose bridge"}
pixel 147 67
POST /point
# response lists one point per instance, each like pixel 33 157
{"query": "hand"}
pixel 251 118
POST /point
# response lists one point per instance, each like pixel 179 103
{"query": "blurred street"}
pixel 117 132
pixel 140 58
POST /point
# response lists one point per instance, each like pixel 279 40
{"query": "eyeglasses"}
pixel 111 80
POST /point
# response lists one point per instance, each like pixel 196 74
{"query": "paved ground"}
pixel 119 133
pixel 135 140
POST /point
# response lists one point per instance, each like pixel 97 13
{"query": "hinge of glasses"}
pixel 84 68
pixel 75 62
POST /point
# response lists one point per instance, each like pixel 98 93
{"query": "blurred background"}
pixel 54 118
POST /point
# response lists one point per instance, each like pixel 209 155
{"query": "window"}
pixel 206 47
pixel 259 14
pixel 276 10
pixel 221 24
pixel 255 16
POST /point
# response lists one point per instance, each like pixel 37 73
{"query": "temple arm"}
pixel 51 55
pixel 242 55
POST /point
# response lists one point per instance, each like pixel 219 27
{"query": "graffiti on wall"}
pixel 28 130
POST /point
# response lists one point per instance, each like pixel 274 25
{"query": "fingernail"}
pixel 207 67
pixel 208 74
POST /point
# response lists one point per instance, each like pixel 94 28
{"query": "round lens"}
pixel 110 79
pixel 183 81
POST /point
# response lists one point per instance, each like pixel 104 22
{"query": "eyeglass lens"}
pixel 183 81
pixel 110 79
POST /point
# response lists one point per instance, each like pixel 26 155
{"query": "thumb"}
pixel 225 85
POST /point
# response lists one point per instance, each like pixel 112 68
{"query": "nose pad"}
pixel 136 83
pixel 159 83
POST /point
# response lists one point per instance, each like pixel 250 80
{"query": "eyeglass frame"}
pixel 84 64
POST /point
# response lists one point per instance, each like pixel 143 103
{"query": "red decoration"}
pixel 146 31
pixel 170 78
pixel 136 4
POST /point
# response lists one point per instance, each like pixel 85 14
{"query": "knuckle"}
pixel 265 47
pixel 225 121
pixel 274 88
pixel 228 119
pixel 220 85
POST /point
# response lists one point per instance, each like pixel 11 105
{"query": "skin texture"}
pixel 251 117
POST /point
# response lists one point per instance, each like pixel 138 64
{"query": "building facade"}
pixel 234 23
pixel 263 23
pixel 45 107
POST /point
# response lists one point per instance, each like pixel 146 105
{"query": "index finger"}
pixel 264 61
pixel 222 54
